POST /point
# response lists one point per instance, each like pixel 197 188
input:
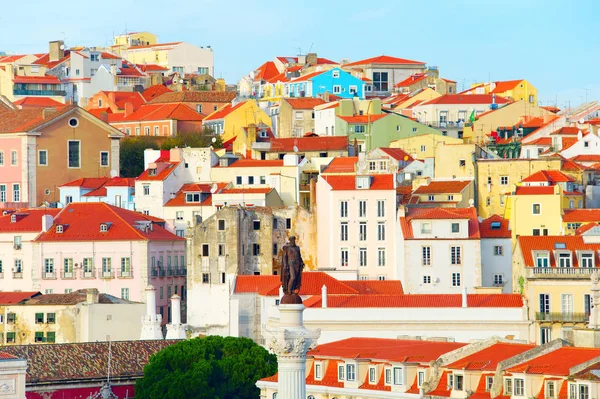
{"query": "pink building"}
pixel 357 227
pixel 96 245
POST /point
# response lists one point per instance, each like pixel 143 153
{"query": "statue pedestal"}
pixel 290 342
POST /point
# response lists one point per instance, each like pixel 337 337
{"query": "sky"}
pixel 552 43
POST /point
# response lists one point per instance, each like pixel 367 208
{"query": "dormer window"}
pixel 59 228
pixel 489 381
pixel 318 370
pixel 152 172
pixel 363 182
pixel 103 227
pixel 192 197
pixel 495 225
pixel 372 375
pixel 542 259
pixel 341 372
pixel 426 228
pixel 420 378
pixel 388 376
pixel 398 375
pixel 350 372
pixel 564 259
pixel 586 259
pixel 550 390
pixel 458 382
pixel 13 218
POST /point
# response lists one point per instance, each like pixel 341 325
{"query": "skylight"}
pixel 560 245
pixel 495 225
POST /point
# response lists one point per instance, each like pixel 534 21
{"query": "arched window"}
pixel 310 397
pixel 274 395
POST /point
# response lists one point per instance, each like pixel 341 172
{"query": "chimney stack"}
pixel 151 321
pixel 128 109
pixel 47 112
pixel 464 298
pixel 47 221
pixel 324 296
pixel 56 50
pixel 176 330
pixel 150 301
pixel 92 296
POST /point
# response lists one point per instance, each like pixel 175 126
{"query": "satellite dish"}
pixel 180 80
pixel 62 46
pixel 214 139
pixel 471 202
pixel 214 188
pixel 114 173
pixel 295 149
pixel 581 121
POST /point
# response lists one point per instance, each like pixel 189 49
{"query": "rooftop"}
pixel 341 165
pixel 348 182
pixel 550 244
pixel 467 99
pixel 440 214
pixel 443 187
pixel 488 358
pixel 384 59
pixel 417 301
pixel 494 227
pixel 72 298
pixel 194 97
pixel 550 176
pixel 581 215
pixel 304 103
pixel 156 112
pixel 557 362
pixel 26 220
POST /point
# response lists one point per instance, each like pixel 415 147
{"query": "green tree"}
pixel 213 367
pixel 193 140
pixel 132 154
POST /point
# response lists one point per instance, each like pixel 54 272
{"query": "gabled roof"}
pixel 348 182
pixel 26 120
pixel 46 79
pixel 549 243
pixel 376 287
pixel 11 298
pixel 566 131
pixel 467 99
pixel 72 298
pixel 417 301
pixel 309 144
pixel 179 199
pixel 304 103
pixel 43 102
pixel 87 182
pixel 150 67
pixel 312 282
pixel 27 220
pixel 81 222
pixel 506 85
pixel 195 97
pixel 223 111
pixel 411 80
pixel 156 112
pixel 341 165
pixel 534 190
pixel 398 154
pixel 488 358
pixel 440 214
pixel 266 71
pixel 587 158
pixel 549 176
pixel 123 97
pixel 154 91
pixel 558 362
pixel 494 227
pixel 443 187
pixel 384 59
pixel 581 215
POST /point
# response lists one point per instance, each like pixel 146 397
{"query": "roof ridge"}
pixel 137 231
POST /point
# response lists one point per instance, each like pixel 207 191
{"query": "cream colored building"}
pixel 423 146
pixel 12 376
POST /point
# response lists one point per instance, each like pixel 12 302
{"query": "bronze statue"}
pixel 291 272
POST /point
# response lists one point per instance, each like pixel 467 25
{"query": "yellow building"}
pixel 424 146
pixel 508 115
pixel 228 120
pixel 135 39
pixel 456 160
pixel 399 102
pixel 574 219
pixel 516 90
pixel 497 178
pixel 554 272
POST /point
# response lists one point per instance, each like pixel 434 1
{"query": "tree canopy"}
pixel 213 367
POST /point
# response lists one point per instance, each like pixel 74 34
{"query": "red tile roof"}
pixel 156 112
pixel 442 388
pixel 362 119
pixel 384 59
pixel 398 154
pixel 546 141
pixel 488 358
pixel 109 56
pixel 467 99
pixel 411 80
pixel 534 190
pixel 6 356
pixel 28 220
pixel 266 71
pixel 440 214
pixel 586 158
pixel 341 165
pixel 123 97
pixel 151 68
pixel 567 130
pixel 312 283
pixel 256 163
pixel 506 85
pixel 557 362
pixel 309 144
pixel 47 79
pixel 548 243
pixel 348 182
pixel 304 103
pixel 223 111
pixel 392 350
pixel 443 187
pixel 265 190
pixel 306 77
pixel 550 176
pixel 195 97
pixel 11 58
pixel 87 182
pixel 11 298
pixel 44 102
pixel 376 287
pixel 179 199
pixel 418 301
pixel 581 215
pixel 82 221
pixel 154 91
pixel 27 119
pixel 486 230
pixel 129 70
pixel 163 170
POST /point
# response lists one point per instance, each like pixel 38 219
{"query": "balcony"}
pixel 107 274
pixel 579 273
pixel 18 275
pixel 124 274
pixel 88 274
pixel 556 317
pixel 28 92
pixel 48 275
pixel 446 125
pixel 170 272
pixel 67 274
pixel 154 273
pixel 304 187
pixel 161 273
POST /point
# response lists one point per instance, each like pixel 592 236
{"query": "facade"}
pixel 158 120
pixel 178 57
pixel 40 149
pixel 229 119
pixel 429 193
pixel 115 191
pixel 496 253
pixel 296 116
pixel 335 81
pixel 425 145
pixel 308 147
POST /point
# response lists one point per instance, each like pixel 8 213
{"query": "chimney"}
pixel 111 96
pixel 311 58
pixel 326 96
pixel 324 296
pixel 92 296
pixel 464 298
pixel 252 130
pixel 56 50
pixel 128 109
pixel 176 309
pixel 175 155
pixel 47 112
pixel 150 301
pixel 47 221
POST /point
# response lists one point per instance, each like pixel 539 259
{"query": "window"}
pixel 451 198
pixel 398 376
pixel 504 180
pixel 564 259
pixel 425 228
pixel 156 130
pixel 256 249
pixel 421 378
pixel 519 387
pixel 39 336
pixel 10 337
pixel 43 157
pixel 350 372
pixel 344 257
pixel 550 392
pixel 51 337
pixel 16 192
pixel 359 129
pixel 498 280
pixel 14 158
pixel 2 192
pixel 288 223
pixel 146 189
pixel 544 303
pixel 126 267
pixel 362 231
pixel 39 318
pixel 362 208
pixel 205 250
pixel 103 158
pixel 455 258
pixel 426 279
pixel 388 376
pixel 179 215
pixel 263 180
pixel 431 198
pixel 221 225
pixel 256 225
pixel 147 131
pixel 455 227
pixel 587 260
pixel 250 179
pixel 508 386
pixel 423 148
pixel 489 381
pixel 362 256
pixel 584 391
pixel 536 209
pixel 221 249
pixel 381 231
pixel 567 304
pixel 426 256
pixel 1 158
pixel 344 209
pixel 106 265
pixel 205 278
pixel 318 371
pixel 458 382
pixel 299 115
pixel 74 155
pixel 380 81
pixel 380 256
pixel 380 208
pixel 341 372
pixel 337 89
pixel 372 375
pixel 542 259
pixel 199 108
pixel 192 197
pixel 456 279
pixel 344 231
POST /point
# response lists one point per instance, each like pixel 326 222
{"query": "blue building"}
pixel 334 81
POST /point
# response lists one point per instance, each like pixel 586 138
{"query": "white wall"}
pixel 325 118
pixel 190 57
pixel 492 264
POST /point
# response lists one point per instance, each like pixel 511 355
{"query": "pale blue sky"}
pixel 554 44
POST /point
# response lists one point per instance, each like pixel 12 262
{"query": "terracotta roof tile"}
pixel 534 190
pixel 440 214
pixel 418 301
pixel 12 298
pixel 123 97
pixel 488 358
pixel 309 144
pixel 550 176
pixel 44 102
pixel 223 111
pixel 26 120
pixel 557 362
pixel 155 91
pixel 581 215
pixel 506 85
pixel 304 103
pixel 27 220
pixel 179 199
pixel 411 80
pixel 362 119
pixel 443 187
pixel 256 163
pixel 266 71
pixel 341 165
pixel 529 244
pixel 376 287
pixel 384 59
pixel 72 298
pixel 567 130
pixel 348 182
pixel 586 158
pixel 306 77
pixel 155 112
pixel 194 97
pixel 467 99
pixel 398 154
pixel 494 227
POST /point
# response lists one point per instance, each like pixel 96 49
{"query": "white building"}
pixel 179 57
pixel 496 253
pixel 441 250
pixel 116 191
pixel 356 226
pixel 325 118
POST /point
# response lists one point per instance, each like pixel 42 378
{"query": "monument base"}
pixel 291 299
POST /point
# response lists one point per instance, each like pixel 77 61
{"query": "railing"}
pixel 446 125
pixel 48 275
pixel 107 274
pixel 67 275
pixel 125 274
pixel 154 273
pixel 18 275
pixel 170 272
pixel 27 92
pixel 562 317
pixel 88 274
pixel 561 272
pixel 161 273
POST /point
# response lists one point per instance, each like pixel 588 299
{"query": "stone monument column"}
pixel 176 330
pixel 151 321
